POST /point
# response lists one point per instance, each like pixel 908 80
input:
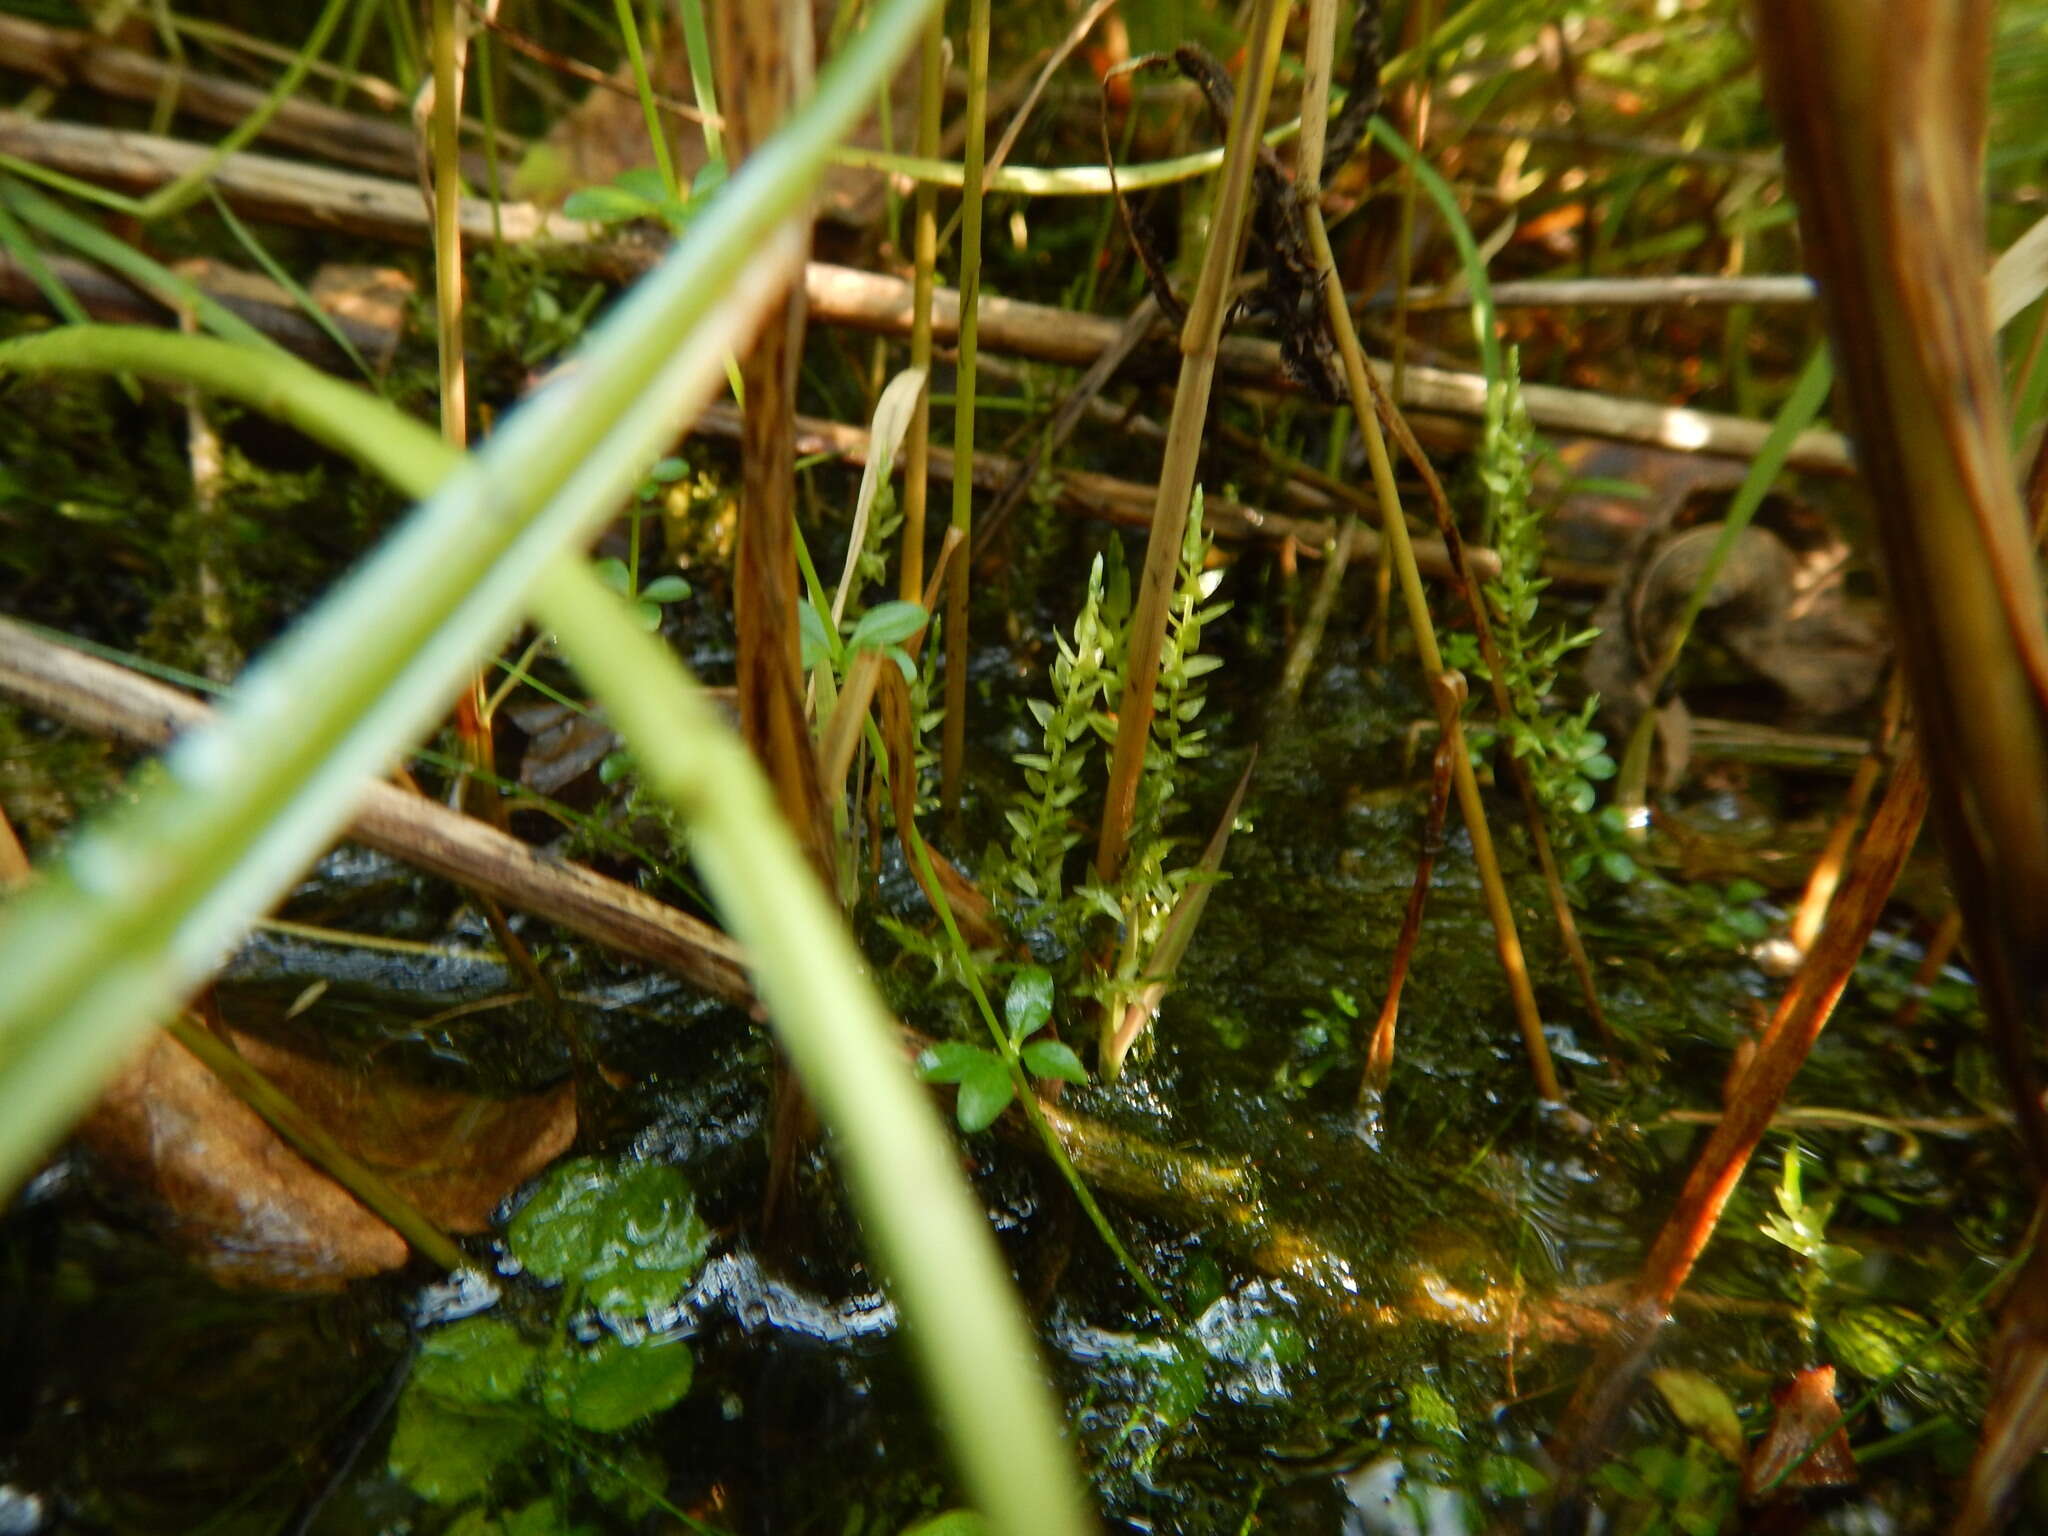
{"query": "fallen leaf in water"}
pixel 1776 606
pixel 453 1154
pixel 1806 1445
pixel 230 1194
pixel 563 743
pixel 253 1213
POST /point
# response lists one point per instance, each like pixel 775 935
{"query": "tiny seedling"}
pixel 987 1078
pixel 884 627
pixel 641 193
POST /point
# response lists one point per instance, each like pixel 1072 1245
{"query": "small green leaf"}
pixel 668 470
pixel 904 664
pixel 643 181
pixel 1054 1058
pixel 985 1092
pixel 610 205
pixel 666 589
pixel 647 615
pixel 1430 1410
pixel 887 624
pixel 450 1457
pixel 477 1360
pixel 817 645
pixel 1704 1407
pixel 631 1236
pixel 612 1384
pixel 1028 1005
pixel 951 1522
pixel 950 1061
pixel 1507 1477
pixel 611 570
pixel 614 766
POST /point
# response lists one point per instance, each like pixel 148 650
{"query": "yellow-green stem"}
pixel 953 746
pixel 1198 345
pixel 931 90
pixel 1507 942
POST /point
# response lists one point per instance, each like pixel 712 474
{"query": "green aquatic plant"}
pixel 1563 754
pixel 487 1393
pixel 1043 825
pixel 988 1078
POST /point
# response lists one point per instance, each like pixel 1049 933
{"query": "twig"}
pixel 1610 293
pixel 298 193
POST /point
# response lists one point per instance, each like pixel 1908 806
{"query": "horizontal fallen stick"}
pixel 300 193
pixel 1127 502
pixel 109 700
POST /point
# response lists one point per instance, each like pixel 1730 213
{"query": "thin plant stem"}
pixel 1200 335
pixel 1318 61
pixel 1027 1096
pixel 1393 520
pixel 1464 567
pixel 283 1116
pixel 629 30
pixel 931 92
pixel 1379 1050
pixel 697 47
pixel 1404 257
pixel 1826 873
pixel 953 743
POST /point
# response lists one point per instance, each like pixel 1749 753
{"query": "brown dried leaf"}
pixel 454 1154
pixel 232 1196
pixel 253 1213
pixel 1806 1445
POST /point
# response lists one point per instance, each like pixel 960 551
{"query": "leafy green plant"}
pixel 1321 1043
pixel 1143 897
pixel 1666 1492
pixel 1564 756
pixel 1043 827
pixel 988 1082
pixel 643 193
pixel 1727 916
pixel 884 628
pixel 621 1242
pixel 1800 1224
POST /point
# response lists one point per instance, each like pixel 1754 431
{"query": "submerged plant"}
pixel 1559 748
pixel 1043 826
pixel 486 1393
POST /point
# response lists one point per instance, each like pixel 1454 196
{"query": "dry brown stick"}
pixel 1614 293
pixel 1470 575
pixel 1803 1011
pixel 764 62
pixel 107 297
pixel 290 192
pixel 63 56
pixel 1126 502
pixel 110 700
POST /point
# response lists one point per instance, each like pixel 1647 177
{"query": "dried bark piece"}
pixel 254 1214
pixel 229 1193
